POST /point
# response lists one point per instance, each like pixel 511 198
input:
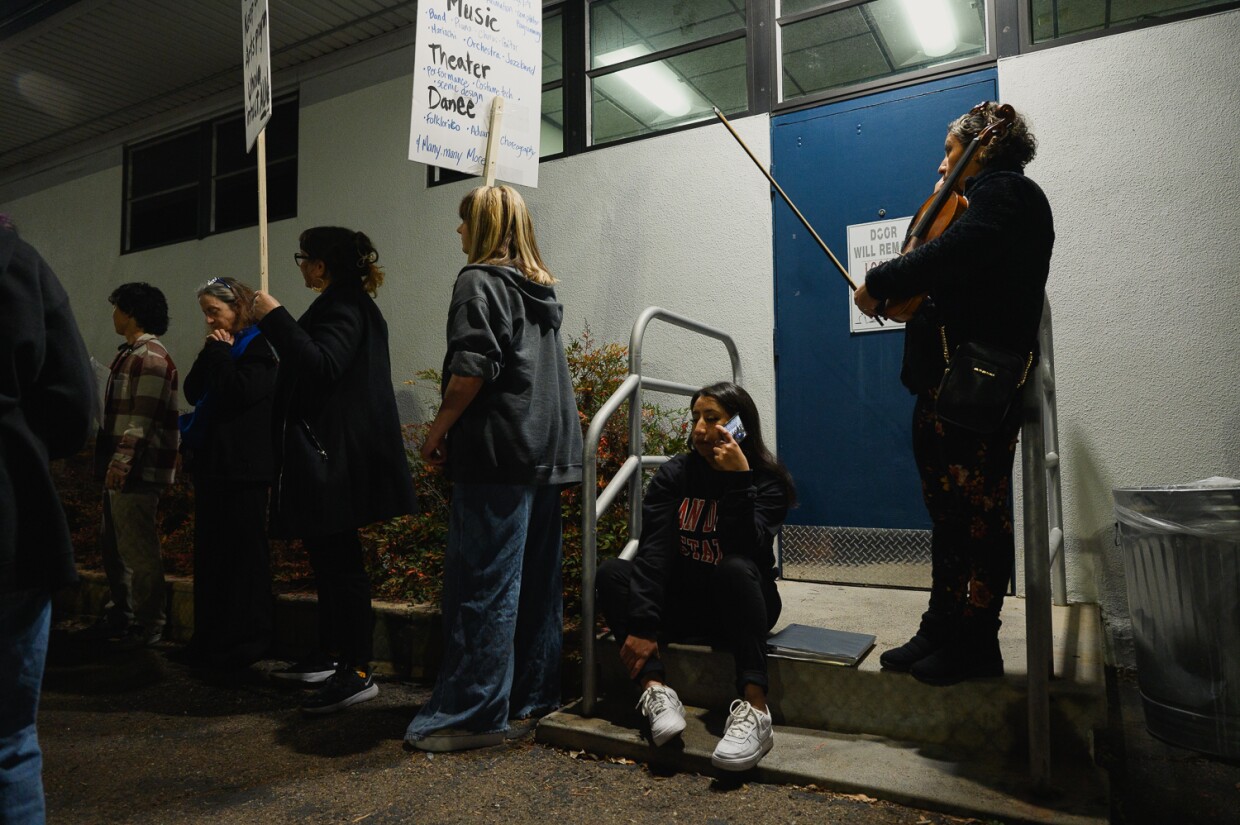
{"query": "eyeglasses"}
pixel 298 257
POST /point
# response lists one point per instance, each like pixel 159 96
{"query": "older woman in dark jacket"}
pixel 227 445
pixel 985 276
pixel 340 456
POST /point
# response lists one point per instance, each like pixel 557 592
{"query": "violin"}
pixel 947 204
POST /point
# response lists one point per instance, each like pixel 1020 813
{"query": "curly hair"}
pixel 348 256
pixel 1013 149
pixel 144 303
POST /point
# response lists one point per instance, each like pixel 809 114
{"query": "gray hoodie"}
pixel 522 427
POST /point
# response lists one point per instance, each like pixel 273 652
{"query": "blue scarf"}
pixel 193 424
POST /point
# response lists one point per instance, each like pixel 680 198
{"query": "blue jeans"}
pixel 502 610
pixel 25 617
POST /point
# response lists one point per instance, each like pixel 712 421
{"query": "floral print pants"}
pixel 966 483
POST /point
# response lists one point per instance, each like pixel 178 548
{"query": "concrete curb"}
pixel 901 772
pixel 408 639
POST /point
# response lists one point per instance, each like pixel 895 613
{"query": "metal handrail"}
pixel 1045 576
pixel 594 505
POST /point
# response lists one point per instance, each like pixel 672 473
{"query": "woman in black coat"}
pixel 984 278
pixel 340 455
pixel 227 445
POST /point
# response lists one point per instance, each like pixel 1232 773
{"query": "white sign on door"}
pixel 869 244
pixel 466 54
pixel 256 64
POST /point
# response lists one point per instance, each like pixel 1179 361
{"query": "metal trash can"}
pixel 1181 549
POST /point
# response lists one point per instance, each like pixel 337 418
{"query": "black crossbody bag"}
pixel 980 384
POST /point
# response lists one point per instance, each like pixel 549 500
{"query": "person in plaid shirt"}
pixel 135 456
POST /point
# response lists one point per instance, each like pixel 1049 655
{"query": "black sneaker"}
pixel 344 688
pixel 309 671
pixel 135 637
pixel 107 627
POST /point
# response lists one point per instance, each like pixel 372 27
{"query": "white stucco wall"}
pixel 1139 137
pixel 1139 142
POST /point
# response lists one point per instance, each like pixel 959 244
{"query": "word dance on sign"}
pixel 466 55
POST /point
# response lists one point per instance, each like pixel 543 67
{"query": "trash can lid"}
pixel 1209 508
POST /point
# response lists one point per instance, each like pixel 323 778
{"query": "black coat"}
pixel 340 456
pixel 986 274
pixel 237 446
pixel 46 394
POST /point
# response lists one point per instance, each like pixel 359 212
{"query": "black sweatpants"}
pixel 736 612
pixel 346 621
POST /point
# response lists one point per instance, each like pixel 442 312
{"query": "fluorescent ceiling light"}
pixel 653 81
pixel 934 25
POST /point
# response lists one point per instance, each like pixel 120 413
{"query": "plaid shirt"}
pixel 139 433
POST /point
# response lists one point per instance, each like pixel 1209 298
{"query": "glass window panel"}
pixel 230 151
pixel 236 196
pixel 622 30
pixel 552 140
pixel 236 201
pixel 787 7
pixel 282 132
pixel 164 165
pixel 669 93
pixel 553 49
pixel 281 190
pixel 1080 16
pixel 163 219
pixel 230 154
pixel 879 39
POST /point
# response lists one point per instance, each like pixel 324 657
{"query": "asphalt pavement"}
pixel 133 737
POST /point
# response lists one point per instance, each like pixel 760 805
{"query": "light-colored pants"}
pixel 129 542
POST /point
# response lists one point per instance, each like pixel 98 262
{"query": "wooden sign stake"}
pixel 262 208
pixel 497 115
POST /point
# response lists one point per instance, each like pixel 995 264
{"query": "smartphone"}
pixel 736 428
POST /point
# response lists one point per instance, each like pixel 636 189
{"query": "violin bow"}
pixel 788 201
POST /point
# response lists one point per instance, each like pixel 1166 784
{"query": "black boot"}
pixel 936 630
pixel 973 653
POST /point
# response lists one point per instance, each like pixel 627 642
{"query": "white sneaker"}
pixel 746 739
pixel 662 708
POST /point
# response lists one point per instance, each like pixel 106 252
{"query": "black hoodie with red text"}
pixel 692 517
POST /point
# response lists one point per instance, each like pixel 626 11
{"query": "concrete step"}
pixel 980 715
pixel 984 788
pixel 960 749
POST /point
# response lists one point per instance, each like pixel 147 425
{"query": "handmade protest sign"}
pixel 466 55
pixel 256 70
pixel 256 66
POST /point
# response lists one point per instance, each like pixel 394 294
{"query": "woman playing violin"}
pixel 984 278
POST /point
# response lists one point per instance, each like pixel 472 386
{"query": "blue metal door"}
pixel 843 417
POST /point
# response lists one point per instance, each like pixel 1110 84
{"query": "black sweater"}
pixel 692 517
pixel 238 445
pixel 987 272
